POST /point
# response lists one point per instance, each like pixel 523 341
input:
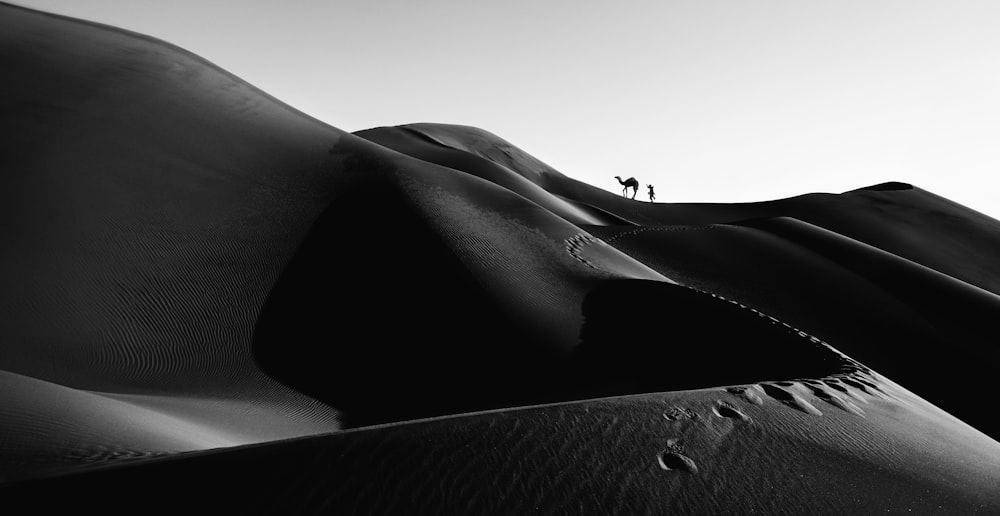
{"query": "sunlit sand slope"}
pixel 148 201
pixel 836 446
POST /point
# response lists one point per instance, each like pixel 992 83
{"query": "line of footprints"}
pixel 838 391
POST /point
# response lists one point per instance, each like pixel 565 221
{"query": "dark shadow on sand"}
pixel 387 325
pixel 376 317
pixel 648 336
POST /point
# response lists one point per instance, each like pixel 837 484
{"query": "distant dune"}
pixel 214 302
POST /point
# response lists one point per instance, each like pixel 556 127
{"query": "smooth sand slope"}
pixel 148 202
pixel 213 302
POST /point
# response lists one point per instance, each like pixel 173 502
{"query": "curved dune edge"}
pixel 426 317
pixel 148 203
pixel 777 447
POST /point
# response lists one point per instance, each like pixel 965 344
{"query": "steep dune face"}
pixel 191 264
pixel 462 292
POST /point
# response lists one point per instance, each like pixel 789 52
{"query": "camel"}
pixel 629 183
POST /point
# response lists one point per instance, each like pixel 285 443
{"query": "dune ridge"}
pixel 208 292
pixel 689 452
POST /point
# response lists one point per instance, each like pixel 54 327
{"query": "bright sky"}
pixel 709 100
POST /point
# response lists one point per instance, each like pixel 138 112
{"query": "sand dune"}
pixel 772 449
pixel 213 302
pixel 149 200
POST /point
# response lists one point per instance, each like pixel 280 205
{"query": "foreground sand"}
pixel 777 449
pixel 213 302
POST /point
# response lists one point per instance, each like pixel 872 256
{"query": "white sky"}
pixel 709 100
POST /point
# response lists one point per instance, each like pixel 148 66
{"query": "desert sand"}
pixel 214 302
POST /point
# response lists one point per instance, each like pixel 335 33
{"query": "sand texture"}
pixel 212 302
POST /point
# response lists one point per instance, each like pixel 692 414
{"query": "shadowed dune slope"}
pixel 427 317
pixel 456 306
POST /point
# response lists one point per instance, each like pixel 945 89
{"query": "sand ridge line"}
pixel 839 390
pixel 784 393
pixel 835 384
pixel 790 398
pixel 858 382
pixel 850 366
pixel 835 400
pixel 852 371
pixel 575 247
pixel 181 51
pixel 577 243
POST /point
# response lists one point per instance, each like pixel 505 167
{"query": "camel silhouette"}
pixel 629 183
